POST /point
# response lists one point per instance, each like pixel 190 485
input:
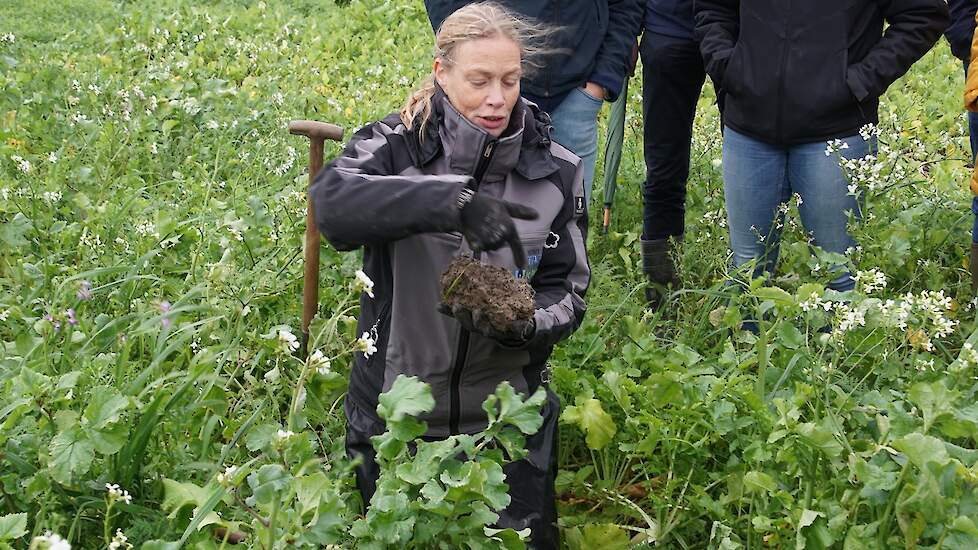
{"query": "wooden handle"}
pixel 316 130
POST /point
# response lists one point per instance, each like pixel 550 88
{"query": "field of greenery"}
pixel 151 211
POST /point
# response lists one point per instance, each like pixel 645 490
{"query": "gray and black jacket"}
pixel 394 194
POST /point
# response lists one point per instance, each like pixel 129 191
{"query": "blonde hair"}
pixel 473 22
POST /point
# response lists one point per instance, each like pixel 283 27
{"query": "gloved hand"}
pixel 475 321
pixel 487 223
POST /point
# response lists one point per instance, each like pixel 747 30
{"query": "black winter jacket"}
pixel 594 42
pixel 799 71
pixel 962 27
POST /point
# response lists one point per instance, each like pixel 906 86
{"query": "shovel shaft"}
pixel 310 279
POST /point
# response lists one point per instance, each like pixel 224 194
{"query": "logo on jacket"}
pixel 579 205
pixel 553 240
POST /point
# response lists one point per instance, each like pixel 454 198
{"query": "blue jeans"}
pixel 575 123
pixel 758 178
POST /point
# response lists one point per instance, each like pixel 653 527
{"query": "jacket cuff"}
pixel 612 86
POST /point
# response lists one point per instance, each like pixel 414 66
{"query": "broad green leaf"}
pixel 71 453
pixel 109 439
pixel 789 336
pixel 508 539
pixel 426 462
pixel 12 232
pixel 310 491
pixel 160 545
pixel 268 481
pixel 505 406
pixel 177 494
pixel 105 406
pixel 921 449
pixel 407 397
pixel 605 536
pixel 261 436
pixel 598 426
pixel 820 438
pixel 934 400
pixel 759 481
pixel 664 388
pixel 13 526
pixel 775 294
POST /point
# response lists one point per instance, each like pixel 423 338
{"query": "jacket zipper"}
pixel 461 353
pixel 778 131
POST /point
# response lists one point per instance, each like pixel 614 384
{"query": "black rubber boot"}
pixel 659 266
pixel 974 267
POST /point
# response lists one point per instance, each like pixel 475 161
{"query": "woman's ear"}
pixel 439 71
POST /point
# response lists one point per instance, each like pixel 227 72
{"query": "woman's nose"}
pixel 495 96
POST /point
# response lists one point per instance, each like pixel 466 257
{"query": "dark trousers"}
pixel 673 76
pixel 531 481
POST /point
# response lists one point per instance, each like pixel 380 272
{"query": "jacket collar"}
pixel 525 147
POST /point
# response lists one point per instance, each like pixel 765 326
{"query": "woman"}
pixel 798 75
pixel 467 166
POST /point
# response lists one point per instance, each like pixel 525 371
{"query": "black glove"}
pixel 487 223
pixel 475 321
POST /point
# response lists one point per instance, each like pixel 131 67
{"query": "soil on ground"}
pixel 502 298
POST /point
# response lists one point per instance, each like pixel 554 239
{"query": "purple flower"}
pixel 71 317
pixel 54 322
pixel 84 291
pixel 165 309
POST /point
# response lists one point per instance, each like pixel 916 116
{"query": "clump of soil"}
pixel 501 298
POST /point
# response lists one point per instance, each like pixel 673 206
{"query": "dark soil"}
pixel 502 298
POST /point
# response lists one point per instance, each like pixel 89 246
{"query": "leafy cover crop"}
pixel 151 210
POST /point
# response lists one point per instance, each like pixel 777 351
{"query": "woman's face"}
pixel 483 84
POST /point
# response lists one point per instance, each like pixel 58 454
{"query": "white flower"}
pixel 120 540
pixel 52 197
pixel 8 37
pixel 212 125
pixel 52 157
pixel 835 145
pixel 287 341
pixel 116 493
pixel 319 362
pixel 4 314
pixel 278 98
pixel 366 344
pixel 50 541
pixel 284 434
pixel 227 476
pixel 363 283
pixel 871 280
pixel 22 165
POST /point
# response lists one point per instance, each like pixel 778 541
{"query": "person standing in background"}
pixel 797 75
pixel 672 79
pixel 959 36
pixel 590 52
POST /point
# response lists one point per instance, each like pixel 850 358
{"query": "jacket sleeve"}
pixel 717 29
pixel 359 198
pixel 971 82
pixel 914 27
pixel 563 276
pixel 614 56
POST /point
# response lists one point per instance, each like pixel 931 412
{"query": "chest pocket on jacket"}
pixel 534 244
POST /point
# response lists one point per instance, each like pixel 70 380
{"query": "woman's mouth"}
pixel 492 122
